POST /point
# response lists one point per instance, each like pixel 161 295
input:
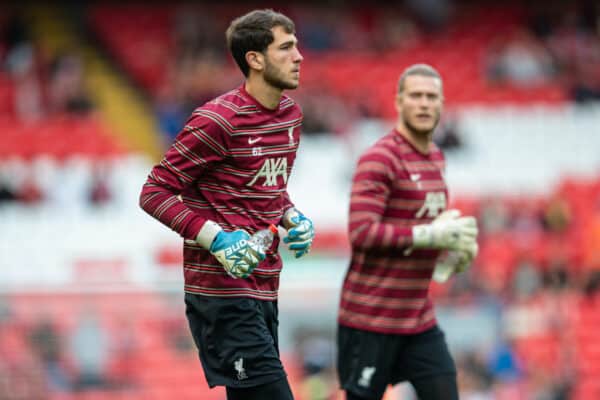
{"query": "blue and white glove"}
pixel 300 232
pixel 231 249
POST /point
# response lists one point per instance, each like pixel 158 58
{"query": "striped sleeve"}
pixel 200 144
pixel 287 202
pixel 371 188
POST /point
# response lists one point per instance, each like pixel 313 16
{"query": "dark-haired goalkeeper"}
pixel 224 178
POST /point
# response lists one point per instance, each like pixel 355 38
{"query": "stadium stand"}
pixel 538 265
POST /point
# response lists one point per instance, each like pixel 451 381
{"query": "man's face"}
pixel 419 105
pixel 282 60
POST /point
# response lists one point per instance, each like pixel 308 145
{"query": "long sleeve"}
pixel 287 202
pixel 200 144
pixel 371 189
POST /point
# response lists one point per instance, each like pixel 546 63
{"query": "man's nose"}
pixel 424 102
pixel 298 56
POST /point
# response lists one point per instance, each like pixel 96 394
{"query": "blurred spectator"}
pixel 196 31
pixel 542 19
pixel 7 193
pixel 526 220
pixel 67 89
pixel 89 345
pixel 99 192
pixel 177 334
pixel 503 363
pixel 29 191
pixel 447 136
pixel 556 277
pixel 317 28
pixel 14 31
pixel 47 345
pixel 6 312
pixel 544 386
pixel 356 29
pixel 125 350
pixel 397 30
pixel 576 47
pixel 323 114
pixel 433 14
pixel 557 215
pixel 474 378
pixel 196 74
pixel 493 215
pixel 171 113
pixel 591 285
pixel 522 61
pixel 22 65
pixel 526 280
pixel 316 353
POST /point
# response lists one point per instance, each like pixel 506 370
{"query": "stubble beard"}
pixel 274 77
pixel 419 131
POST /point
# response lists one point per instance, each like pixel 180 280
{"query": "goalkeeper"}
pixel 401 237
pixel 224 178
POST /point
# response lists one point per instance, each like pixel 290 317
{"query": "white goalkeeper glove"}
pixel 454 262
pixel 448 231
pixel 233 250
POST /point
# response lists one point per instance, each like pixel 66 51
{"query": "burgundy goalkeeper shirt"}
pixel 386 287
pixel 230 164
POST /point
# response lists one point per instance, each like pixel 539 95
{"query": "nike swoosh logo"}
pixel 254 140
pixel 415 177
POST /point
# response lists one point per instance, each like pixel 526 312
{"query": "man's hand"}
pixel 448 231
pixel 300 232
pixel 467 257
pixel 454 262
pixel 231 249
pixel 235 253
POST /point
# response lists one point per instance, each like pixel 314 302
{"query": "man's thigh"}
pixel 235 342
pixel 364 361
pixel 423 355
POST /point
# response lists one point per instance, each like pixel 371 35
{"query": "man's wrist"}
pixel 422 235
pixel 207 234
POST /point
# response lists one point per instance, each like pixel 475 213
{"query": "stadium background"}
pixel 91 303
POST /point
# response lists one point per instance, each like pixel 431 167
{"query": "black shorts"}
pixel 236 339
pixel 368 362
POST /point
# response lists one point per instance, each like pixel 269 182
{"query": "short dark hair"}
pixel 252 32
pixel 417 69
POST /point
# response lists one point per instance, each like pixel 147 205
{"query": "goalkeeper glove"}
pixel 448 231
pixel 238 256
pixel 455 261
pixel 300 232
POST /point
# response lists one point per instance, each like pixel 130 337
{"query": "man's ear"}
pixel 398 102
pixel 255 60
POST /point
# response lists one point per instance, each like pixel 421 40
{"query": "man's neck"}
pixel 420 140
pixel 267 95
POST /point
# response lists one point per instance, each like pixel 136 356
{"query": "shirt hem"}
pixel 391 331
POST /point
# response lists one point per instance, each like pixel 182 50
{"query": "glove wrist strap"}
pixel 422 235
pixel 207 234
